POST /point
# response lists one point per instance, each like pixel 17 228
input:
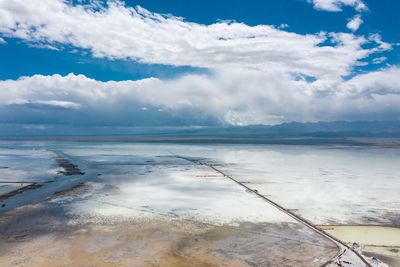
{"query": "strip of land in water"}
pixel 344 254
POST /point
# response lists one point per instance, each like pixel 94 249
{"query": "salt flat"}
pixel 141 203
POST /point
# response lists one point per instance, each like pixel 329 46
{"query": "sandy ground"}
pixel 41 235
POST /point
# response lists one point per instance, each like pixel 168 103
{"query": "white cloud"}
pixel 379 83
pixel 283 26
pixel 382 46
pixel 379 60
pixel 354 23
pixel 232 96
pixel 2 41
pixel 45 104
pixel 117 31
pixel 260 74
pixel 336 5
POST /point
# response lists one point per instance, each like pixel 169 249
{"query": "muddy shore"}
pixel 41 235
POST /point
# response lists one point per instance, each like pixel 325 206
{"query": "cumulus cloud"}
pixel 232 96
pixel 374 84
pixel 379 60
pixel 354 23
pixel 336 5
pixel 260 74
pixel 117 31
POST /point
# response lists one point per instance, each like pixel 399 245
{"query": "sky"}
pixel 175 63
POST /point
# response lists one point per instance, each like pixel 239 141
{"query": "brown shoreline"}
pixel 40 235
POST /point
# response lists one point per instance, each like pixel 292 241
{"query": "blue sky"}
pixel 189 63
pixel 22 60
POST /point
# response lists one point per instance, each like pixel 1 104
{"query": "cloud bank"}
pixel 242 98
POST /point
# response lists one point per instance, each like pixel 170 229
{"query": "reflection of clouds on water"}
pixel 170 187
pixel 335 184
pixel 26 164
pixel 323 184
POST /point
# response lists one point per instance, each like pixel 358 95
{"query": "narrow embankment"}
pixel 68 167
pixel 19 190
pixel 346 256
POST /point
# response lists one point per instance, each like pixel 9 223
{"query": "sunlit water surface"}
pixel 325 184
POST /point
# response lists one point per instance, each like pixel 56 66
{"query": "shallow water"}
pixel 21 163
pixel 9 187
pixel 327 185
pixel 367 235
pixel 324 184
pixel 146 181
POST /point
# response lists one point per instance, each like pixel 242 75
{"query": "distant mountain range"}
pixel 336 129
pixel 311 129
